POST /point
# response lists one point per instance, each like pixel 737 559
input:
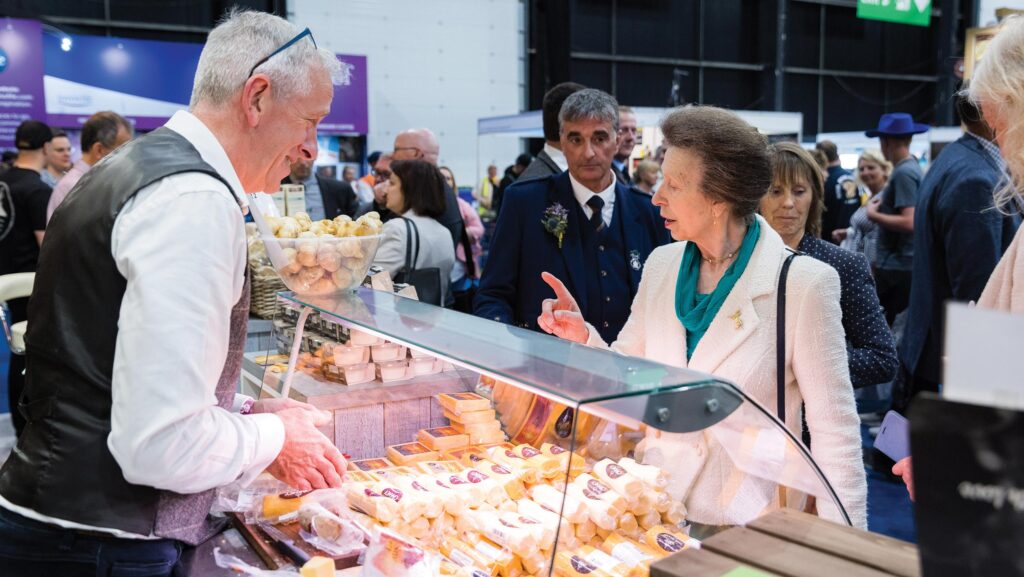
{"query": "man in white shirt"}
pixel 101 134
pixel 551 160
pixel 137 326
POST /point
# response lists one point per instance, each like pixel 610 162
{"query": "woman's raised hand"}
pixel 561 315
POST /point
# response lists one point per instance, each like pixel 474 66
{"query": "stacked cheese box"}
pixel 491 506
pixel 366 357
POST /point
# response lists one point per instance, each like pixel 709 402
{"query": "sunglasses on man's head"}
pixel 283 47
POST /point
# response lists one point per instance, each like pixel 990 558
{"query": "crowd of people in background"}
pixel 581 237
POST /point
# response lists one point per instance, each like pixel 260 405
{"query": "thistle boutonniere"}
pixel 555 221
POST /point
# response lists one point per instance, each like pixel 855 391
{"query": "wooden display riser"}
pixel 789 543
pixel 371 416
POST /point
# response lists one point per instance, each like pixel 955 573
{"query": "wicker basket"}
pixel 265 284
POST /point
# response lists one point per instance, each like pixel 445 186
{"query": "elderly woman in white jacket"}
pixel 710 304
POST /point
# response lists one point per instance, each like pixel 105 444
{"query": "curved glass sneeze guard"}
pixel 681 408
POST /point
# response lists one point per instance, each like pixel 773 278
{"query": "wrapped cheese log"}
pixel 410 505
pixel 513 536
pixel 531 509
pixel 543 533
pixel 628 524
pixel 454 502
pixel 645 503
pixel 438 467
pixel 509 480
pixel 675 513
pixel 568 461
pixel 586 530
pixel 494 493
pixel 619 479
pixel 433 505
pixel 650 519
pixel 546 465
pixel 372 503
pixel 486 553
pixel 666 540
pixel 629 552
pixel 552 499
pixel 510 459
pixel 589 484
pixel 570 564
pixel 604 561
pixel 654 477
pixel 473 493
pixel 599 511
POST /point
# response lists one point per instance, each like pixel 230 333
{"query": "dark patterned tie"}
pixel 596 204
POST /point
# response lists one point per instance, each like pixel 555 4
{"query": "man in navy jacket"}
pixel 958 239
pixel 581 225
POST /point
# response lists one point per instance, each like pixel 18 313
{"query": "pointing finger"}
pixel 561 292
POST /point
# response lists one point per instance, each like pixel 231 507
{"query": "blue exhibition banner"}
pixel 146 81
pixel 21 76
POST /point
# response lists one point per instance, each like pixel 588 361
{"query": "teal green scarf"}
pixel 697 311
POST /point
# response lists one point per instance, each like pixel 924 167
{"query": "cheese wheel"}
pixel 442 438
pixel 410 453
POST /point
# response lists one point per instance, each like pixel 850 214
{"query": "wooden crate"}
pixel 789 543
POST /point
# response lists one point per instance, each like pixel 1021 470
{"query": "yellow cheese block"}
pixel 631 553
pixel 369 464
pixel 570 564
pixel 274 506
pixel 467 456
pixel 487 437
pixel 470 417
pixel 318 567
pixel 463 402
pixel 392 472
pixel 442 438
pixel 436 467
pixel 410 453
pixel 360 477
pixel 477 428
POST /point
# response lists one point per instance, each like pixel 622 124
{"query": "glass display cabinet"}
pixel 511 452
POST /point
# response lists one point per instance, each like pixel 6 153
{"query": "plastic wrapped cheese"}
pixel 546 464
pixel 591 485
pixel 531 509
pixel 629 552
pixel 574 510
pixel 543 533
pixel 513 536
pixel 568 461
pixel 619 479
pixel 665 540
pixel 599 511
pixel 433 504
pixel 507 478
pixel 654 477
pixel 372 503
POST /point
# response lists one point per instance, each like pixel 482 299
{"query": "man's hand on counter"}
pixel 308 459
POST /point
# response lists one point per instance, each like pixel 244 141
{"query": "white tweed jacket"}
pixel 716 492
pixel 1005 288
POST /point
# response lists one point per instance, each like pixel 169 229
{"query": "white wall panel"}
pixel 440 64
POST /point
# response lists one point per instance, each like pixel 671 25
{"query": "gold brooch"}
pixel 736 319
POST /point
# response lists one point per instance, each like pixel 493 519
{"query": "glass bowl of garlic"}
pixel 322 257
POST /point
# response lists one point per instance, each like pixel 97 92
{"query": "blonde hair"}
pixel 647 167
pixel 999 81
pixel 874 156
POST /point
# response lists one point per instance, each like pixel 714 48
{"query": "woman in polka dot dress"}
pixel 793 208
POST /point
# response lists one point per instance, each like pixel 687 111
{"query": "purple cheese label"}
pixel 416 485
pixel 511 455
pixel 669 542
pixel 500 470
pixel 370 493
pixel 392 493
pixel 615 471
pixel 528 521
pixel 581 565
pixel 556 450
pixel 597 486
pixel 476 477
pixel 455 480
pixel 530 452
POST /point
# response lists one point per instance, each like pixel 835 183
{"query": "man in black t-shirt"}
pixel 23 199
pixel 842 195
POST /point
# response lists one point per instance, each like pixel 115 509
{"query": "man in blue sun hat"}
pixel 893 211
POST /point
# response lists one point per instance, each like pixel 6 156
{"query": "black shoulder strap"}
pixel 780 338
pixel 408 246
pixel 415 256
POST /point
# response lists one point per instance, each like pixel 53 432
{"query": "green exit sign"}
pixel 916 12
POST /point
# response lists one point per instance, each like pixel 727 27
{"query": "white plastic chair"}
pixel 13 286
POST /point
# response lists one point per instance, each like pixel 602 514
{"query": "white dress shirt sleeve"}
pixel 181 246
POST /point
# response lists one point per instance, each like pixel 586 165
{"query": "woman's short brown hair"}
pixel 791 164
pixel 422 187
pixel 734 154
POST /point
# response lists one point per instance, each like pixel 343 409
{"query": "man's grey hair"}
pixel 590 104
pixel 243 38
